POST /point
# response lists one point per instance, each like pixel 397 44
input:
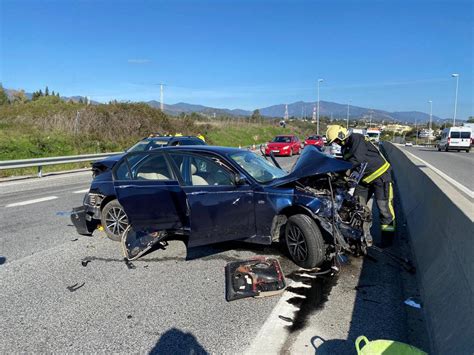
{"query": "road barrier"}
pixel 440 223
pixel 40 162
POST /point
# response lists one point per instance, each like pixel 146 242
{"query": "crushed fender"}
pixel 256 277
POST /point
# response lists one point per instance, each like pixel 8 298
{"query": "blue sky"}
pixel 392 55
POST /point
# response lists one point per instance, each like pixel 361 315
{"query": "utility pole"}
pixel 286 112
pixel 416 132
pixel 347 120
pixel 314 113
pixel 431 118
pixel 317 124
pixel 456 98
pixel 161 98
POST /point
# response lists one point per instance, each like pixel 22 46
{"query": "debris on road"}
pixel 85 262
pixel 256 277
pixel 75 287
pixel 130 265
pixel 413 302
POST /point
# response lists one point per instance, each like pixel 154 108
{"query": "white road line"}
pixel 29 202
pixel 461 187
pixel 81 191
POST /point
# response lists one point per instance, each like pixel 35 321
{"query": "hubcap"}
pixel 116 221
pixel 296 243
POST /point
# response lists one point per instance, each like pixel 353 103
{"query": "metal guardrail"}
pixel 40 162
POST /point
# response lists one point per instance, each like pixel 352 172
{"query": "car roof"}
pixel 167 138
pixel 201 148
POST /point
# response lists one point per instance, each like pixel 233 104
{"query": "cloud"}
pixel 139 61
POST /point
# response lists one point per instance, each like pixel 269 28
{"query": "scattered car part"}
pixel 135 243
pixel 256 277
pixel 75 287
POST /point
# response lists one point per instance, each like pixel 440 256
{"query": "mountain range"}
pixel 299 109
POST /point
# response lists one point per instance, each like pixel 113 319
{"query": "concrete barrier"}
pixel 440 223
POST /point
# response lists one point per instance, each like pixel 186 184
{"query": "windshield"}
pixel 281 139
pixel 147 145
pixel 373 134
pixel 257 166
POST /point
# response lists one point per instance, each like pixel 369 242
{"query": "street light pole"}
pixel 416 132
pixel 431 119
pixel 456 98
pixel 347 123
pixel 317 124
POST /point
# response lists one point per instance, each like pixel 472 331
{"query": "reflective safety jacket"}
pixel 357 150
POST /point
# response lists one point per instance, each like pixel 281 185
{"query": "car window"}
pixel 465 135
pixel 281 139
pixel 202 171
pixel 122 172
pixel 257 166
pixel 455 134
pixel 152 167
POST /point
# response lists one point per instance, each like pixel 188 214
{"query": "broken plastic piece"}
pixel 256 277
pixel 413 302
pixel 135 243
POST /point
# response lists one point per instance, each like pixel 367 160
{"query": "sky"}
pixel 388 54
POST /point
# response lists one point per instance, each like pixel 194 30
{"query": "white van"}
pixel 455 138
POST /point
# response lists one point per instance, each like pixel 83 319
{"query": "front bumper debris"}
pixel 84 224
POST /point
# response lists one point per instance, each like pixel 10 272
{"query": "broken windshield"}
pixel 257 166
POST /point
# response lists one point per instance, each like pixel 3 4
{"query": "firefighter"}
pixel 376 181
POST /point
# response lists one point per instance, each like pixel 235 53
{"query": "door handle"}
pixel 199 193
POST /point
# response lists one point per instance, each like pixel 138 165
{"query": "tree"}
pixel 19 96
pixel 46 91
pixel 256 116
pixel 3 97
pixel 57 94
pixel 52 93
pixel 470 119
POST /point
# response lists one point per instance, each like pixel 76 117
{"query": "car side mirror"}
pixel 240 180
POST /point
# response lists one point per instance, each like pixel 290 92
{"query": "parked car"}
pixel 283 145
pixel 408 144
pixel 208 194
pixel 101 203
pixel 455 138
pixel 317 141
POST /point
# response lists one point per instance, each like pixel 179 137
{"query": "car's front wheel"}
pixel 114 220
pixel 304 241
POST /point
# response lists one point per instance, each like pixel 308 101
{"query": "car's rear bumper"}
pixel 85 224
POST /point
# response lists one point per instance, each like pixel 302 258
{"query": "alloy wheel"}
pixel 116 220
pixel 296 243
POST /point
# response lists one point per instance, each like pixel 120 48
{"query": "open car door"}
pixel 153 200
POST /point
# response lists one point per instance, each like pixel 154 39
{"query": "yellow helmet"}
pixel 336 132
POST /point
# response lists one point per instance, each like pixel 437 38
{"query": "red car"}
pixel 284 145
pixel 314 140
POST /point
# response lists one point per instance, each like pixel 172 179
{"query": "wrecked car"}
pixel 215 194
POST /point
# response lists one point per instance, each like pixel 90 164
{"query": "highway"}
pixel 457 165
pixel 168 301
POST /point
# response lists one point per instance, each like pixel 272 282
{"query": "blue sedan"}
pixel 214 194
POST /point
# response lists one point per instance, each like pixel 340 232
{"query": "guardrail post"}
pixel 40 171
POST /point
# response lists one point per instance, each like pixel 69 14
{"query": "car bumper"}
pixel 83 221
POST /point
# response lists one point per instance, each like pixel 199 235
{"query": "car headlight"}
pixel 93 199
pixel 286 147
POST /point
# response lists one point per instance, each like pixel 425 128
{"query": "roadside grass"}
pixel 50 127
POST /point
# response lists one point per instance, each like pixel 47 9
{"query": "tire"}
pixel 114 220
pixel 439 148
pixel 304 241
pixel 468 150
pixel 446 148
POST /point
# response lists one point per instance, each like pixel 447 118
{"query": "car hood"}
pixel 278 144
pixel 108 162
pixel 312 162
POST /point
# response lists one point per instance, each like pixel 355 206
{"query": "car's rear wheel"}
pixel 304 241
pixel 114 220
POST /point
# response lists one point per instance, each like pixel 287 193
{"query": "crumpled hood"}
pixel 313 162
pixel 108 162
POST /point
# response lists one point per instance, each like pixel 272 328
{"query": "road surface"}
pixel 168 301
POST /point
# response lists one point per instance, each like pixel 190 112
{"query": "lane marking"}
pixel 461 187
pixel 29 202
pixel 81 191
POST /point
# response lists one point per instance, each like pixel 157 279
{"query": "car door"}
pixel 150 193
pixel 220 209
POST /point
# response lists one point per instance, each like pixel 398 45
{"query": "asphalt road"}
pixel 457 165
pixel 166 302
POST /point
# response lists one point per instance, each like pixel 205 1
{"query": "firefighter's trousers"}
pixel 382 188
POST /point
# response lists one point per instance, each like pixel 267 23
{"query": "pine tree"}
pixel 52 93
pixel 46 91
pixel 57 94
pixel 40 93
